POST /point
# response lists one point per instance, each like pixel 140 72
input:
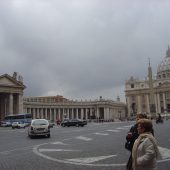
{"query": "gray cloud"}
pixel 81 49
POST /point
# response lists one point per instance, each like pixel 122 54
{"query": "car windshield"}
pixel 40 122
pixel 15 123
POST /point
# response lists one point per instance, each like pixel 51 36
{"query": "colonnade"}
pixel 11 103
pixel 87 113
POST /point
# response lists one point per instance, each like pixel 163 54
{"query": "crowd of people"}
pixel 141 143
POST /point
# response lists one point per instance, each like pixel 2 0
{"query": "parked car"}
pixel 39 127
pixel 73 122
pixel 5 124
pixel 18 125
pixel 51 124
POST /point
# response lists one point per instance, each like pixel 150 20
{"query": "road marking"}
pixel 84 138
pixel 59 143
pixel 57 150
pixel 23 131
pixel 128 126
pixel 84 161
pixel 122 128
pixel 165 153
pixel 110 130
pixel 36 151
pixel 16 149
pixel 103 134
pixel 89 159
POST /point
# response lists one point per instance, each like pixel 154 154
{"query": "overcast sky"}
pixel 82 49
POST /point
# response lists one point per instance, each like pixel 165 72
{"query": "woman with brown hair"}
pixel 145 150
pixel 131 137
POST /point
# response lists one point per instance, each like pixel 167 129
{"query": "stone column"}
pixel 50 113
pixel 54 114
pixel 76 113
pixel 59 113
pixel 90 112
pixel 33 114
pixel 11 103
pixel 82 115
pixel 147 102
pixel 38 113
pixel 139 104
pixel 97 112
pixel 105 114
pixel 129 106
pixel 67 112
pixel 164 103
pixel 64 113
pixel 159 106
pixel 46 113
pixel 20 103
pixel 86 114
pixel 72 113
pixel 156 103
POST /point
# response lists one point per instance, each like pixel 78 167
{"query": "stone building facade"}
pixel 11 95
pixel 53 107
pixel 151 95
pixel 57 107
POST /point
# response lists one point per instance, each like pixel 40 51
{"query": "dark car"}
pixel 73 122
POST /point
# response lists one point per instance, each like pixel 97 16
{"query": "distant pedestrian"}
pixel 145 149
pixel 58 121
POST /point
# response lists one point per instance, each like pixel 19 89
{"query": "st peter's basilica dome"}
pixel 163 71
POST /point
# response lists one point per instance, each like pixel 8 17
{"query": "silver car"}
pixel 39 127
pixel 18 125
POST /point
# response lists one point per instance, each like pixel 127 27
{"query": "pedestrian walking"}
pixel 145 149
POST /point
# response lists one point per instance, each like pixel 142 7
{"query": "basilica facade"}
pixel 151 95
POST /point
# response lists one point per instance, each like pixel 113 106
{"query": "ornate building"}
pixel 53 107
pixel 11 95
pixel 151 95
pixel 57 107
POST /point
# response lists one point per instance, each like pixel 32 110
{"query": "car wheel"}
pixel 77 125
pixel 30 136
pixel 48 136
